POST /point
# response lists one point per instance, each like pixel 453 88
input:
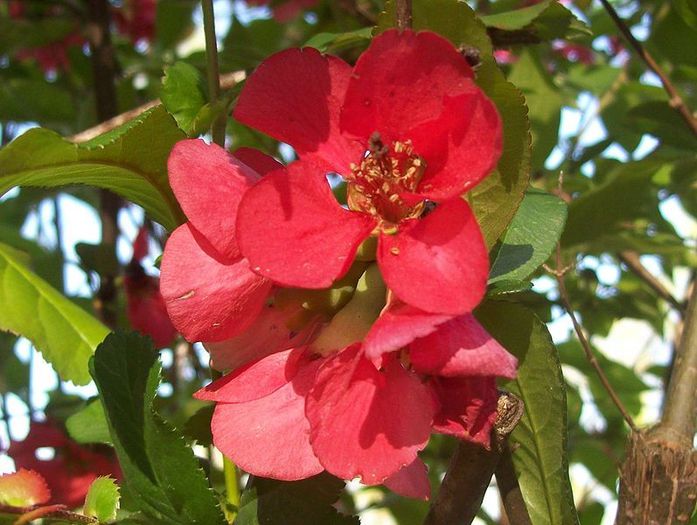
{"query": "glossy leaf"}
pixel 184 97
pixel 130 160
pixel 161 473
pixel 539 442
pixel 530 238
pixel 65 334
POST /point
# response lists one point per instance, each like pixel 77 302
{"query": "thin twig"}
pixel 212 71
pixel 676 100
pixel 52 512
pixel 509 489
pixel 585 344
pixel 632 261
pixel 403 14
pixel 227 81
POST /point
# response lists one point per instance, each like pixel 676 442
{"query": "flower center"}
pixel 381 184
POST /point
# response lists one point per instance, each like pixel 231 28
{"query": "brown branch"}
pixel 403 14
pixel 227 81
pixel 51 512
pixel 471 468
pixel 585 344
pixel 632 261
pixel 512 497
pixel 676 100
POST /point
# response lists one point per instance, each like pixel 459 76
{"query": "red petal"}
pixel 411 481
pixel 295 97
pixel 140 245
pixel 293 231
pixel 461 147
pixel 398 326
pixel 438 263
pixel 257 160
pixel 208 299
pixel 269 436
pixel 209 184
pixel 24 488
pixel 365 422
pixel 400 82
pixel 461 347
pixel 146 310
pixel 468 408
pixel 269 333
pixel 258 379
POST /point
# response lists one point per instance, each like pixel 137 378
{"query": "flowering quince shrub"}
pixel 347 318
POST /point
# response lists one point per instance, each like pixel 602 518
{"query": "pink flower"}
pixel 145 306
pixel 410 132
pixel 295 413
pixel 73 468
pixel 574 52
pixel 136 18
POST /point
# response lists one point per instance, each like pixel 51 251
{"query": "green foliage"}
pixel 271 502
pixel 130 160
pixel 102 499
pixel 539 441
pixel 530 238
pixel 89 424
pixel 161 473
pixel 65 334
pixel 545 20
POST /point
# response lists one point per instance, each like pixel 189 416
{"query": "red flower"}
pixel 145 306
pixel 294 413
pixel 210 292
pixel 73 468
pixel 285 11
pixel 410 132
pixel 136 18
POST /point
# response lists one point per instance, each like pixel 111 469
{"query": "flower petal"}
pixel 24 488
pixel 269 333
pixel 411 481
pixel 146 309
pixel 295 97
pixel 461 147
pixel 399 325
pixel 257 160
pixel 293 231
pixel 366 422
pixel 209 183
pixel 207 298
pixel 461 347
pixel 467 408
pixel 269 436
pixel 400 82
pixel 438 263
pixel 258 379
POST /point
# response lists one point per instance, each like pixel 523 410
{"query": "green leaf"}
pixel 102 499
pixel 539 442
pixel 545 103
pixel 161 473
pixel 497 197
pixel 198 426
pixel 89 424
pixel 130 160
pixel 184 97
pixel 530 238
pixel 173 21
pixel 545 20
pixel 272 502
pixel 335 42
pixel 65 334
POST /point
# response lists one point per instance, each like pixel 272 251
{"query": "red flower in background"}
pixel 410 132
pixel 136 18
pixel 285 10
pixel 72 469
pixel 145 306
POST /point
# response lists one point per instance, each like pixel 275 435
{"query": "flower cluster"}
pixel 346 331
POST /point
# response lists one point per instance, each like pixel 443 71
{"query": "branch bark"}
pixel 471 468
pixel 403 14
pixel 632 261
pixel 104 76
